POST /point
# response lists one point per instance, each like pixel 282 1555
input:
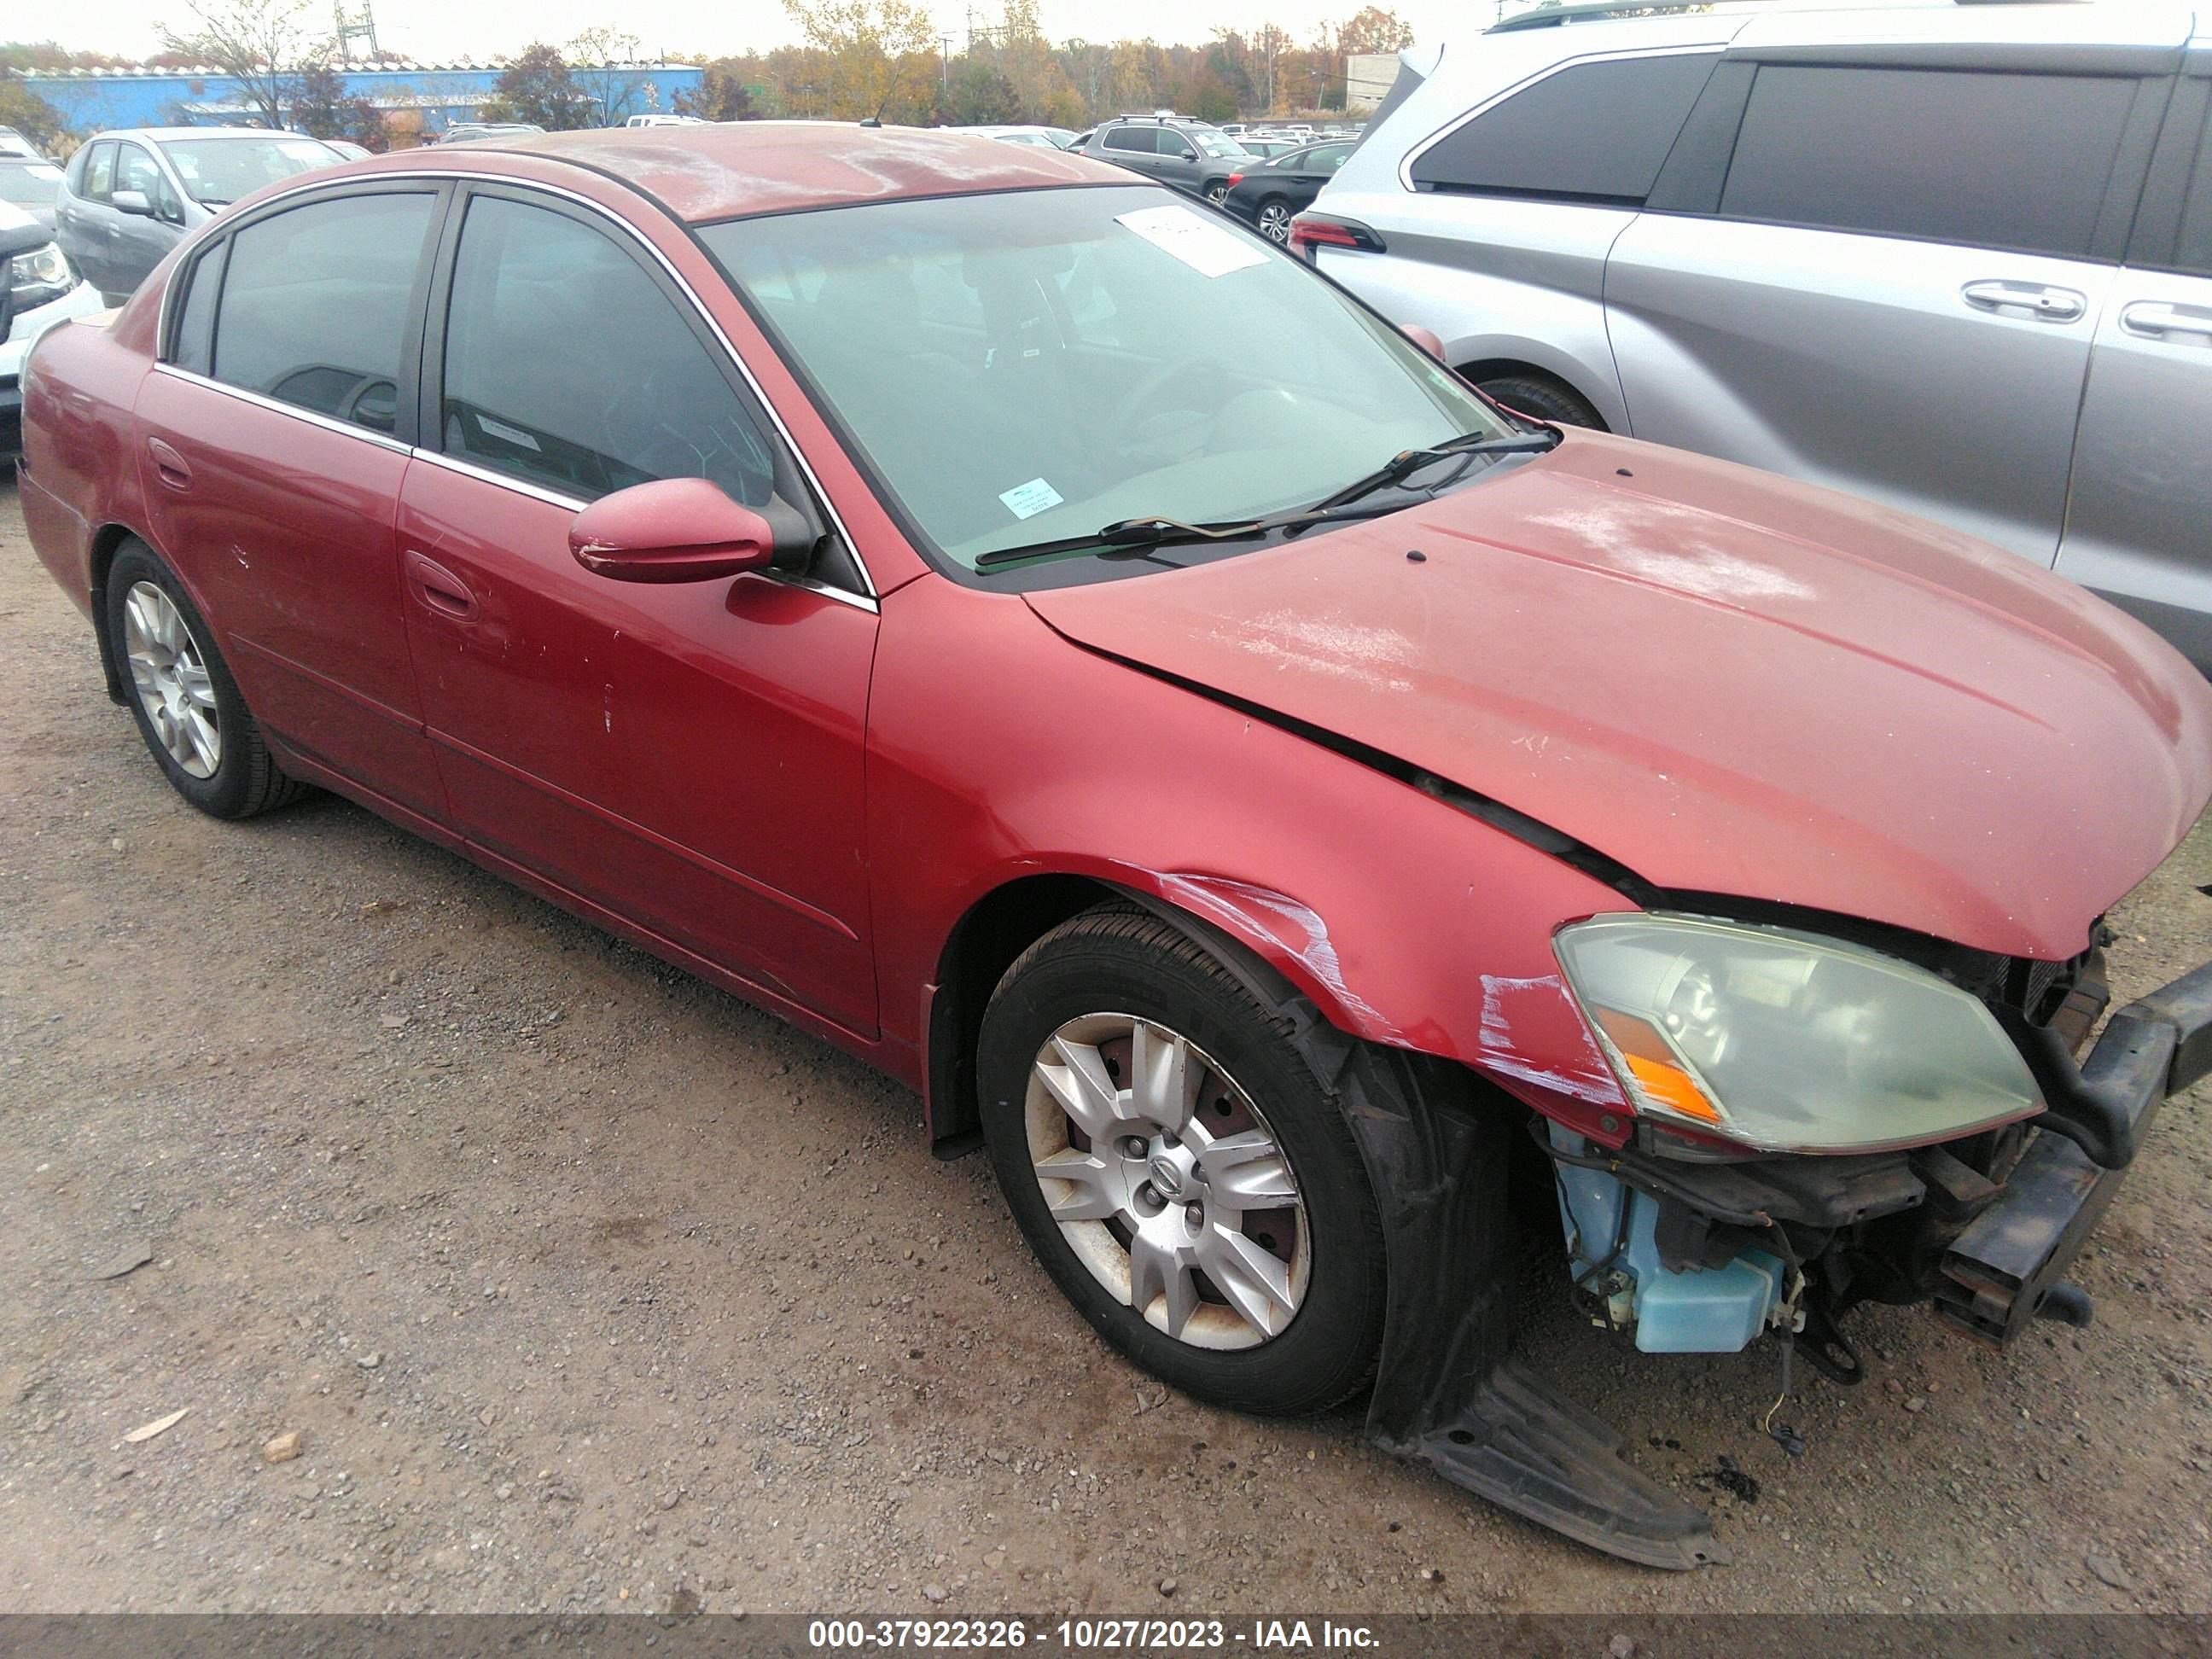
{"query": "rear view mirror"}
pixel 675 530
pixel 131 201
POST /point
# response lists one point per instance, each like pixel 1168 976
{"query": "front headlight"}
pixel 1788 1041
pixel 38 276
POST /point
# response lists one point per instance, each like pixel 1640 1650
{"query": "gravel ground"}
pixel 584 1286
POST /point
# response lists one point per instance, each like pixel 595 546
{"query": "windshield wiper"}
pixel 1134 535
pixel 1402 465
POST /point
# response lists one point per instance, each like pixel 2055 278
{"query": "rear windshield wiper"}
pixel 1402 465
pixel 1131 535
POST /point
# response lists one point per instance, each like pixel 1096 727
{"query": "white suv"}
pixel 1958 259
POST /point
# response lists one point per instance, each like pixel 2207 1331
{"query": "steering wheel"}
pixel 1202 374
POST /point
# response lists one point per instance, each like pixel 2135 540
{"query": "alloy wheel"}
pixel 1167 1182
pixel 1276 222
pixel 169 673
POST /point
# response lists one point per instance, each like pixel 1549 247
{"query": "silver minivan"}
pixel 1956 258
pixel 129 196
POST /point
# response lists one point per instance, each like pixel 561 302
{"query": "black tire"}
pixel 1131 963
pixel 1542 396
pixel 245 780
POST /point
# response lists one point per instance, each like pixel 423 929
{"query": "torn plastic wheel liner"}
pixel 1447 1393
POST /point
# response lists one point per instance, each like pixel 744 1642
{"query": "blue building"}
pixel 440 94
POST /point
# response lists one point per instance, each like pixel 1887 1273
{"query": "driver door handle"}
pixel 2040 301
pixel 440 589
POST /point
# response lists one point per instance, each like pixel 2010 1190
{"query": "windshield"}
pixel 1227 149
pixel 1036 364
pixel 33 185
pixel 217 171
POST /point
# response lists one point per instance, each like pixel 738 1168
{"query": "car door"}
pixel 1178 162
pixel 82 214
pixel 2141 495
pixel 1889 280
pixel 1307 171
pixel 137 241
pixel 273 438
pixel 688 758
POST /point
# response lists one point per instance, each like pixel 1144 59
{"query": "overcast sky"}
pixel 435 30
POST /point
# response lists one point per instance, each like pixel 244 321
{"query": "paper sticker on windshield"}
pixel 1207 248
pixel 1027 501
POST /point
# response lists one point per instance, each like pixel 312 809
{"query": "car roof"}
pixel 726 172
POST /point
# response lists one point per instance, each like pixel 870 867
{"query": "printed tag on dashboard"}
pixel 1207 249
pixel 1027 501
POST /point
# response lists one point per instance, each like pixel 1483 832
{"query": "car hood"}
pixel 1728 681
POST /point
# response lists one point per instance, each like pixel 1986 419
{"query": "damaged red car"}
pixel 1044 640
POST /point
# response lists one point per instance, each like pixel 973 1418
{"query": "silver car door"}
pixel 2139 513
pixel 1892 285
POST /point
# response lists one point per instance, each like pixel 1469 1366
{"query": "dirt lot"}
pixel 588 1287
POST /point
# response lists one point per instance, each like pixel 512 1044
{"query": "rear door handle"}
pixel 439 588
pixel 2154 320
pixel 2045 303
pixel 168 465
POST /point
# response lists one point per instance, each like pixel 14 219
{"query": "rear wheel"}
pixel 1545 399
pixel 1217 191
pixel 1179 1169
pixel 188 710
pixel 1275 217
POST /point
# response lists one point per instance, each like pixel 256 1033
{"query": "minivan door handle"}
pixel 2039 301
pixel 2154 320
pixel 439 588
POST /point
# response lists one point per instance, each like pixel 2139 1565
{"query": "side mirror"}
pixel 675 529
pixel 131 201
pixel 1424 337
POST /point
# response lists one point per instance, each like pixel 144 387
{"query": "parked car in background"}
pixel 462 132
pixel 127 197
pixel 13 142
pixel 31 186
pixel 664 121
pixel 1269 197
pixel 1261 793
pixel 1049 137
pixel 38 289
pixel 1191 155
pixel 1268 149
pixel 1957 258
pixel 349 150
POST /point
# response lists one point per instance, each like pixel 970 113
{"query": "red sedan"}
pixel 1034 634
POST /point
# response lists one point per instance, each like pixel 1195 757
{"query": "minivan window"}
pixel 567 366
pixel 315 306
pixel 1982 159
pixel 1592 131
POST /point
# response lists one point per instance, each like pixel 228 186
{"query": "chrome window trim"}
pixel 313 417
pixel 309 183
pixel 1716 49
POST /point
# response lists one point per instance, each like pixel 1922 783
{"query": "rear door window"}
pixel 1979 158
pixel 1590 131
pixel 315 305
pixel 1141 141
pixel 2193 251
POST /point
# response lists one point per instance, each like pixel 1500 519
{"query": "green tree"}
pixel 975 95
pixel 264 45
pixel 539 87
pixel 323 108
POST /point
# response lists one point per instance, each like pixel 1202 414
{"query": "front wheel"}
pixel 1275 217
pixel 1179 1169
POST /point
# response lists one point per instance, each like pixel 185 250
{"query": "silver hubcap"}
pixel 1276 222
pixel 1167 1182
pixel 171 678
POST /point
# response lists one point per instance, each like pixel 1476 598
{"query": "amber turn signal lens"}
pixel 1651 1062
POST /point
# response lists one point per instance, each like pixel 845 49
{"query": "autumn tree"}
pixel 323 108
pixel 724 92
pixel 879 56
pixel 975 95
pixel 537 88
pixel 601 62
pixel 1371 29
pixel 28 113
pixel 264 46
